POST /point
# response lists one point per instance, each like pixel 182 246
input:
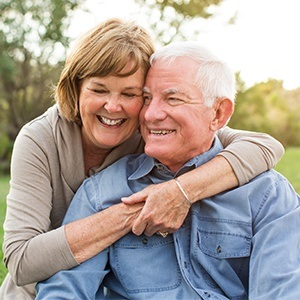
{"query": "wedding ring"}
pixel 163 234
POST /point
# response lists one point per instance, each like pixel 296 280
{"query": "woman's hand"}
pixel 165 208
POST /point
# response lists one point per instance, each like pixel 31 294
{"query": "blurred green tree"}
pixel 268 107
pixel 32 46
pixel 32 43
pixel 168 19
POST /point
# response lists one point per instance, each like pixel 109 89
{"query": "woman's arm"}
pixel 36 204
pixel 247 154
pixel 90 235
pixel 89 232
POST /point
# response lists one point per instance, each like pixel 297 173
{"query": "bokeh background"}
pixel 258 38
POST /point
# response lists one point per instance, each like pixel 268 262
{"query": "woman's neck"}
pixel 93 156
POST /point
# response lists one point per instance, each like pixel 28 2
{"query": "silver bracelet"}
pixel 183 192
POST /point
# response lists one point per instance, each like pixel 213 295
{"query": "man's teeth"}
pixel 110 122
pixel 161 132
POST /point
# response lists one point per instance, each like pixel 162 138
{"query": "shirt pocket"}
pixel 222 251
pixel 225 238
pixel 224 245
pixel 145 264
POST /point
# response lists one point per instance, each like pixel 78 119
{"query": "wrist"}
pixel 186 197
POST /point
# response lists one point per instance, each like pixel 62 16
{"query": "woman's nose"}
pixel 113 104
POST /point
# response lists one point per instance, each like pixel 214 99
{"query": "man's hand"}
pixel 165 208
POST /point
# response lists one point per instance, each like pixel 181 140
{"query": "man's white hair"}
pixel 214 78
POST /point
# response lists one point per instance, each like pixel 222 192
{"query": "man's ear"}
pixel 223 109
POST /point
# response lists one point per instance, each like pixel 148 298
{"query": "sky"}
pixel 261 44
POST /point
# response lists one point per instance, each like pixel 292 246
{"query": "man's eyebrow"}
pixel 170 91
pixel 173 91
pixel 166 92
pixel 146 90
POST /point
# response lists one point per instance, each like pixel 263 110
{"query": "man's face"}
pixel 175 123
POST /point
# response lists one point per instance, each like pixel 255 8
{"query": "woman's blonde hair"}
pixel 103 51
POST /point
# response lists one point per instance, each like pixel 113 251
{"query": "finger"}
pixel 134 198
pixel 139 226
pixel 149 231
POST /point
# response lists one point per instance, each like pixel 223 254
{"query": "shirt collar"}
pixel 147 163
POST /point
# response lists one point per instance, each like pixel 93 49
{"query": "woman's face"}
pixel 109 108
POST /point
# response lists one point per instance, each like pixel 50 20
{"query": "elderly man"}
pixel 241 244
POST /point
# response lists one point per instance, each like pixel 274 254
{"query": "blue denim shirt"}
pixel 241 244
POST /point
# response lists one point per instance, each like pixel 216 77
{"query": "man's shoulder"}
pixel 265 189
pixel 267 180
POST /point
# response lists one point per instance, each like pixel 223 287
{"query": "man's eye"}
pixel 175 101
pixel 147 99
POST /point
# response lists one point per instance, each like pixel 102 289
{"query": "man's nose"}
pixel 155 111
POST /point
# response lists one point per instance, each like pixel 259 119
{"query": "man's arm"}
pixel 274 263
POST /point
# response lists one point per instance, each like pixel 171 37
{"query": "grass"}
pixel 288 166
pixel 4 185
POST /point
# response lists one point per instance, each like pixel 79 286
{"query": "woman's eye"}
pixel 129 95
pixel 97 91
pixel 100 91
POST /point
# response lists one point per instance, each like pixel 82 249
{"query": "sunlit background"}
pixel 258 38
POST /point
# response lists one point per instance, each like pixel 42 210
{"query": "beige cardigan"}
pixel 47 169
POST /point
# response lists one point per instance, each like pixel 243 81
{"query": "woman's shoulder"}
pixel 48 127
pixel 42 123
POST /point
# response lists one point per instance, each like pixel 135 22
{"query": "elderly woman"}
pixel 94 123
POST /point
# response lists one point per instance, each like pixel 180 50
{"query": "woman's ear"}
pixel 223 109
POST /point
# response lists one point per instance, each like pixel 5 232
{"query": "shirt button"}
pixel 185 264
pixel 207 294
pixel 145 241
pixel 219 249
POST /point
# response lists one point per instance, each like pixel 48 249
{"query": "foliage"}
pixel 268 107
pixel 168 18
pixel 32 43
pixel 192 8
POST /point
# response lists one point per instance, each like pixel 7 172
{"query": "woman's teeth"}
pixel 110 122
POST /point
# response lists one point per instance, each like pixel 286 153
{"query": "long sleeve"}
pixel 37 201
pixel 83 281
pixel 249 153
pixel 274 264
pixel 47 168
